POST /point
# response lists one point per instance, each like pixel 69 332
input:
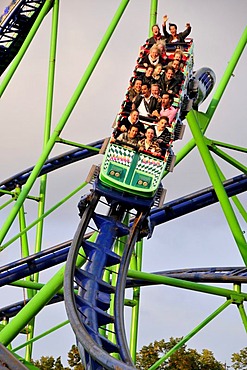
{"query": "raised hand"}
pixel 165 19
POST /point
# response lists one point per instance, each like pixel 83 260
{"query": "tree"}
pixel 49 363
pixel 239 360
pixel 182 359
pixel 74 359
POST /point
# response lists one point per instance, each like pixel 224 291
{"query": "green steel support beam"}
pixel 234 198
pixel 40 336
pixel 189 285
pixel 237 288
pixel 220 153
pixel 229 146
pixel 25 253
pixel 193 332
pixel 119 249
pixel 24 244
pixel 77 145
pixel 27 284
pixel 47 129
pixel 227 75
pixel 192 119
pixel 137 265
pixel 217 96
pixel 33 307
pixel 47 213
pixel 106 278
pixel 153 15
pixel 6 203
pixel 114 274
pixel 50 144
pixel 45 9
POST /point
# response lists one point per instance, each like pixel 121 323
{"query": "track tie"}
pixel 83 276
pixel 111 257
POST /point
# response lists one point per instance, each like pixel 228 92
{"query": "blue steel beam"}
pixel 15 24
pixel 230 275
pixel 176 208
pixel 51 165
pixel 197 200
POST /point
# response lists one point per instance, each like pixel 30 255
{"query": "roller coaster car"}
pixel 137 173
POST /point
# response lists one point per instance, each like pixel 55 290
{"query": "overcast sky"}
pixel 197 240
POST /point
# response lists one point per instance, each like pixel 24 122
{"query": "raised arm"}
pixel 187 30
pixel 165 19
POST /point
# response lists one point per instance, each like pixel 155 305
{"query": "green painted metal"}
pixel 24 244
pixel 68 110
pixel 204 121
pixel 217 183
pixel 153 15
pixel 32 308
pixel 227 75
pixel 137 265
pixel 229 146
pixel 237 288
pixel 28 284
pixel 78 145
pixel 235 199
pixel 47 129
pixel 34 339
pixel 30 292
pixel 45 9
pixel 228 158
pixel 191 334
pixel 36 304
pixel 47 213
pixel 188 285
pixel 199 122
pixel 132 174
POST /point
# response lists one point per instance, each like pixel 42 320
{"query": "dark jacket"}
pixel 151 106
pixel 152 40
pixel 125 121
pixel 172 85
pixel 146 79
pixel 179 76
pixel 180 36
pixel 127 124
pixel 163 140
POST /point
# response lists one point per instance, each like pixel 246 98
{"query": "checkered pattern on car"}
pixel 119 155
pixel 150 165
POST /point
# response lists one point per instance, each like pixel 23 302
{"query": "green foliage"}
pixel 181 359
pixel 49 363
pixel 74 359
pixel 239 360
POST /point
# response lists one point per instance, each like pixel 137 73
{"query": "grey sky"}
pixel 201 239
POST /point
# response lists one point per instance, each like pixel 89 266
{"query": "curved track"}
pixel 15 24
pixel 87 309
pixel 92 289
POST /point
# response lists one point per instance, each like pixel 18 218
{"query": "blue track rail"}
pixel 88 309
pixel 15 25
pixel 85 308
pixel 88 306
pixel 50 165
pixel 58 254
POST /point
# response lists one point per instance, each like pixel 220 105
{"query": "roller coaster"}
pixel 124 204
